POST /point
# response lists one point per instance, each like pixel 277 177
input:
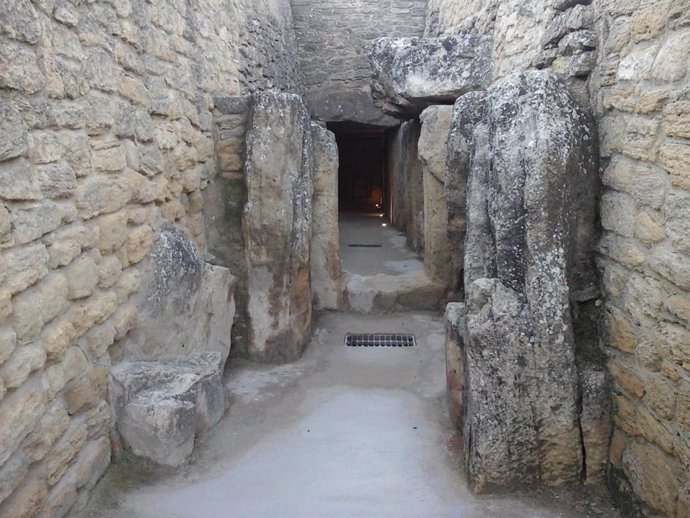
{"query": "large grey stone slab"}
pixel 410 74
pixel 186 305
pixel 162 406
pixel 278 226
pixel 528 252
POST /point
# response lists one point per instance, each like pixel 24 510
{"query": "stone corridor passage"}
pixel 342 433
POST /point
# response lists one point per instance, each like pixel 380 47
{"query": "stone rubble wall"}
pixel 641 92
pixel 332 43
pixel 638 89
pixel 105 135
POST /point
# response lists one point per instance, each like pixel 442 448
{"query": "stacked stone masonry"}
pixel 333 39
pixel 105 135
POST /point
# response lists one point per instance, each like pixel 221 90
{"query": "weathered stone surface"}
pixel 277 226
pixel 326 275
pixel 185 305
pixel 410 74
pixel 455 362
pixel 529 250
pixel 467 113
pixel 18 181
pixel 433 153
pixel 13 133
pixel 161 406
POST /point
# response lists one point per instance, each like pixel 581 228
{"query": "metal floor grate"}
pixel 379 340
pixel 358 245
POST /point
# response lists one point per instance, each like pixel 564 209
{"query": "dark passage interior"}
pixel 362 182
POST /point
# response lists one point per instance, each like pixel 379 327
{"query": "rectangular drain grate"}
pixel 357 245
pixel 379 340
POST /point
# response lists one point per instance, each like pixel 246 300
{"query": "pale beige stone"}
pixel 8 342
pixel 57 337
pixel 93 310
pixel 82 277
pixel 18 181
pixel 39 305
pixel 618 212
pixel 44 147
pixel 109 157
pixel 27 501
pixel 109 271
pixel 671 264
pixel 100 338
pixel 652 476
pixel 660 397
pixel 128 283
pixel 124 320
pixel 64 452
pixel 74 363
pixel 21 364
pixel 57 180
pixel 620 332
pixel 627 252
pixel 87 391
pixel 24 266
pixel 112 232
pixel 51 427
pixel 101 195
pixel 679 306
pixel 650 228
pixel 139 243
pixel 6 307
pixel 19 414
pixel 675 158
pixel 672 62
pixel 646 183
pixel 626 377
pixel 677 211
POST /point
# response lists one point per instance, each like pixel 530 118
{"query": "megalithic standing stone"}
pixel 531 198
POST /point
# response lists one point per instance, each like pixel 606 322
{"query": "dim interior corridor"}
pixel 344 432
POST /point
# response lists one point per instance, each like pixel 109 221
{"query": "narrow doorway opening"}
pixel 362 184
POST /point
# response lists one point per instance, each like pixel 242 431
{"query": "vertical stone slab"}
pixel 277 227
pixel 532 186
pixel 433 154
pixel 326 272
pixel 406 184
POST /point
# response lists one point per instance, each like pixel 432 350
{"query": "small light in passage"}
pixel 384 224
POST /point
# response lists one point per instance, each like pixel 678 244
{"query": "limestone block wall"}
pixel 105 135
pixel 332 40
pixel 641 91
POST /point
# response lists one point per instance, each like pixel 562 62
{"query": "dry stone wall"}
pixel 105 135
pixel 641 91
pixel 332 41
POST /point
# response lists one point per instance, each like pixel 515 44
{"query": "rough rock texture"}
pixel 105 135
pixel 332 42
pixel 185 305
pixel 162 406
pixel 410 74
pixel 540 34
pixel 224 200
pixel 467 113
pixel 433 154
pixel 406 183
pixel 455 362
pixel 278 226
pixel 383 293
pixel 530 226
pixel 326 273
pixel 641 85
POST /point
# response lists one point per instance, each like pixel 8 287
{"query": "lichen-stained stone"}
pixel 530 229
pixel 455 362
pixel 162 406
pixel 277 226
pixel 410 74
pixel 185 304
pixel 326 274
pixel 433 154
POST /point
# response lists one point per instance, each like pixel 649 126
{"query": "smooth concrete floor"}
pixel 343 432
pixel 393 257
